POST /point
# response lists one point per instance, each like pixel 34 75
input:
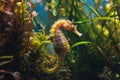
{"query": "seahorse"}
pixel 60 43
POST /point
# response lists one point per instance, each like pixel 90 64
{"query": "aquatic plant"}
pixel 15 31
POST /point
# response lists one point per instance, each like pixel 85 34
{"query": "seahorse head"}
pixel 68 25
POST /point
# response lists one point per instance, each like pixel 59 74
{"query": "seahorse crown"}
pixel 70 27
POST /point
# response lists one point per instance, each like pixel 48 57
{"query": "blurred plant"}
pixel 15 31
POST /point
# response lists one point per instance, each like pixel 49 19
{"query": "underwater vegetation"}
pixel 37 40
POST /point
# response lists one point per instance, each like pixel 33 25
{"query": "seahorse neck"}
pixel 56 26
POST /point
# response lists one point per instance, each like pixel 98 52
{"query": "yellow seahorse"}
pixel 60 43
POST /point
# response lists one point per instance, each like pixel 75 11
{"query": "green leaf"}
pixel 80 43
pixel 97 18
pixel 5 62
pixel 55 12
pixel 6 57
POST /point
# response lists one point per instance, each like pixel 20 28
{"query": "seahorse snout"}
pixel 74 29
pixel 78 33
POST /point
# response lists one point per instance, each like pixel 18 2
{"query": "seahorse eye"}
pixel 73 28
